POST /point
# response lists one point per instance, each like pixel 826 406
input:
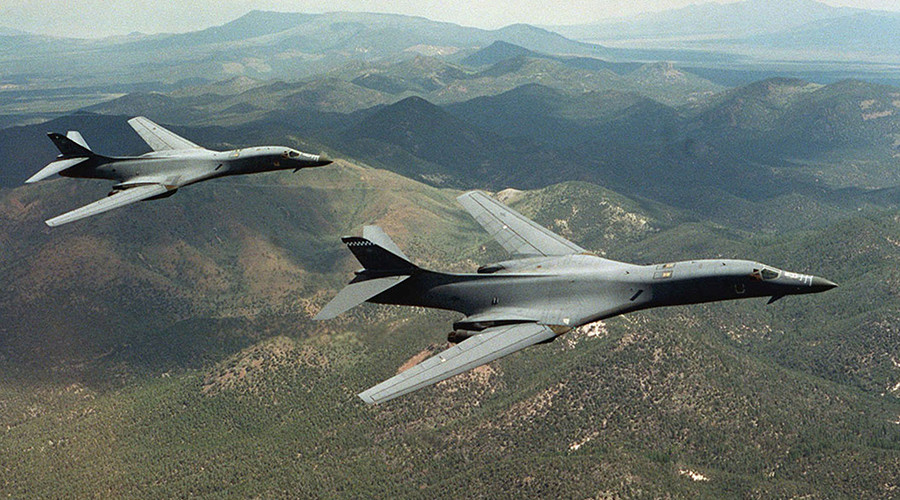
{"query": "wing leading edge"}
pixel 491 344
pixel 120 199
pixel 516 233
pixel 159 138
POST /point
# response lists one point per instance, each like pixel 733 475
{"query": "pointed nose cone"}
pixel 821 284
pixel 324 159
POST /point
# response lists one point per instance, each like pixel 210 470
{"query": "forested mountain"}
pixel 183 329
pixel 166 349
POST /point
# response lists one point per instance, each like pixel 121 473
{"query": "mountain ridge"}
pixel 284 45
pixel 166 349
pixel 730 19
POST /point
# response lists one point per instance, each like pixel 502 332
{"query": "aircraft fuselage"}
pixel 181 168
pixel 574 290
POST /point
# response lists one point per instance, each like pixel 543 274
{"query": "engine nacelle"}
pixel 118 188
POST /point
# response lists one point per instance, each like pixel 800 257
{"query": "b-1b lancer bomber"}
pixel 551 287
pixel 174 162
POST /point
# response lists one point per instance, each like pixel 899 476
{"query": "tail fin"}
pixel 378 253
pixel 73 151
pixel 384 266
pixel 71 145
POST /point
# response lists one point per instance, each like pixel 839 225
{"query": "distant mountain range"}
pixel 274 46
pixel 801 26
pixel 724 20
pixel 261 44
pixel 4 31
pixel 777 136
pixel 861 32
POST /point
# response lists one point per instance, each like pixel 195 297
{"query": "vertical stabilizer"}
pixel 378 253
pixel 71 145
pixel 377 236
pixel 75 136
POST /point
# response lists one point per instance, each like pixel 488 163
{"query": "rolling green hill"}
pixel 843 134
pixel 449 150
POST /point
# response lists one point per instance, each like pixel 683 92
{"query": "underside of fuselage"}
pixel 568 298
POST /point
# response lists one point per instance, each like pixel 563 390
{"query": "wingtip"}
pixel 322 317
pixel 470 194
pixel 39 176
pixel 367 398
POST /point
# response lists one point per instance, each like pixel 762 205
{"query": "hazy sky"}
pixel 96 18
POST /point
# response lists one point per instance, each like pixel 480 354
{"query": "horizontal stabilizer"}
pixel 491 344
pixel 119 199
pixel 355 294
pixel 54 168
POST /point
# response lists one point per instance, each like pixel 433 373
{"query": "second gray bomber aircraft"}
pixel 175 162
pixel 552 287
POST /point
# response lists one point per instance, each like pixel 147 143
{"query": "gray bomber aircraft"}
pixel 552 287
pixel 174 162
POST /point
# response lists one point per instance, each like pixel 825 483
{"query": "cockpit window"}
pixel 769 274
pixel 294 154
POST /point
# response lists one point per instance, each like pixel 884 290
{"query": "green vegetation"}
pixel 167 349
pixel 207 376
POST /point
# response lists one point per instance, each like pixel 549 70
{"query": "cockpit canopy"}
pixel 765 273
pixel 290 153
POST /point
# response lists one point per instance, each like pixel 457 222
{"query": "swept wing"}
pixel 119 199
pixel 491 344
pixel 158 138
pixel 515 232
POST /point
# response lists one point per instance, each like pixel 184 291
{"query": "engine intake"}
pixel 457 336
